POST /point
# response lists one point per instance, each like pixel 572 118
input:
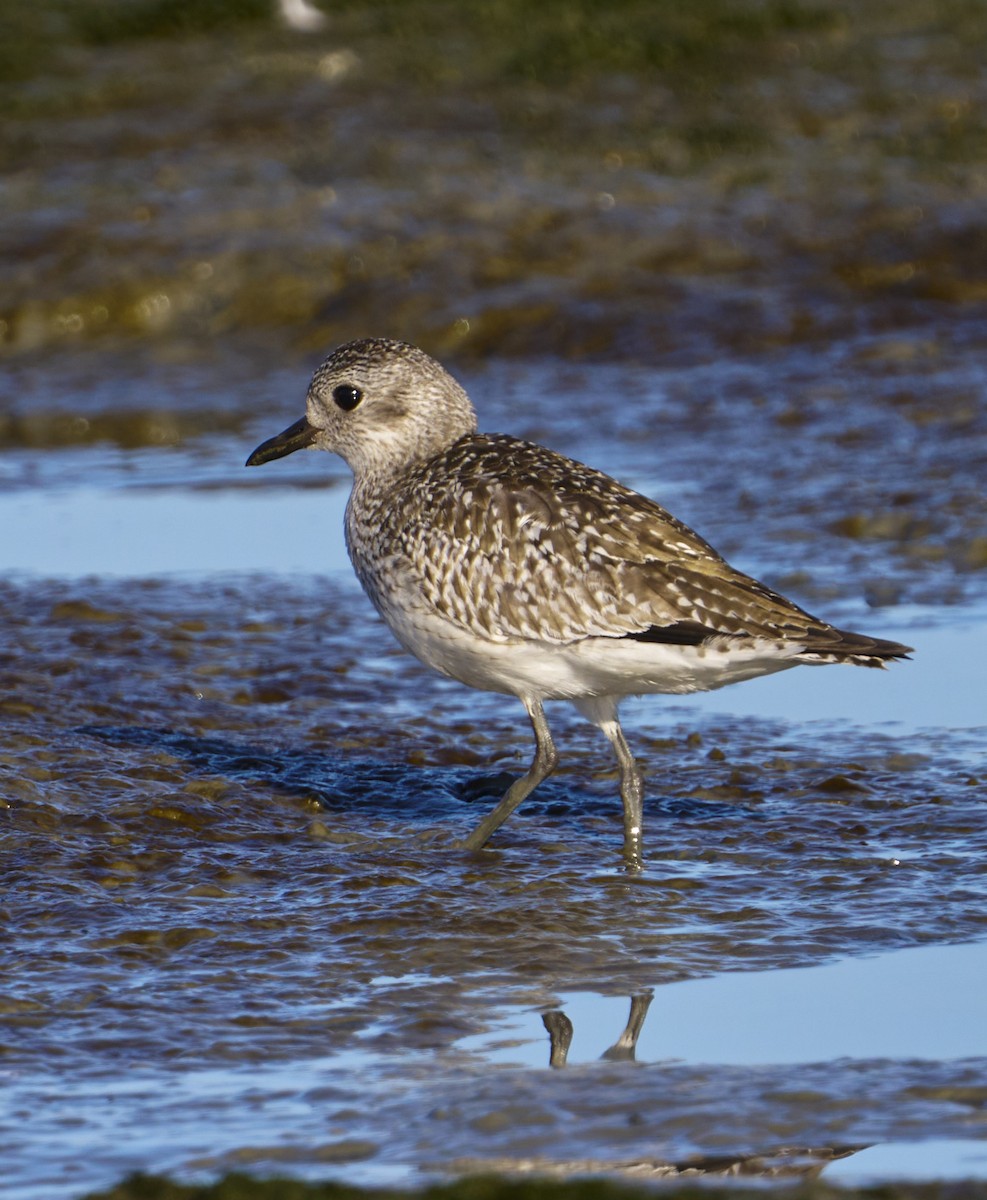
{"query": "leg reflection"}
pixel 560 1032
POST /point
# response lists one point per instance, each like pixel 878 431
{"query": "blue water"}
pixel 925 1003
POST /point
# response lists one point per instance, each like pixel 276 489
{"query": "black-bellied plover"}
pixel 517 570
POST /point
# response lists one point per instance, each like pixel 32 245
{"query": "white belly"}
pixel 591 667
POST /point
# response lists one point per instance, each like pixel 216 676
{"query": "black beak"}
pixel 295 437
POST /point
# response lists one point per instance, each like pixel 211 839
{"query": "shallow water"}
pixel 240 933
pixel 237 929
pixel 923 1003
pixel 936 1159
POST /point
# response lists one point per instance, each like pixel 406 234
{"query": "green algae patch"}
pixel 565 180
pixel 243 1187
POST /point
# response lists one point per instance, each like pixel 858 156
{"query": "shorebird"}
pixel 514 569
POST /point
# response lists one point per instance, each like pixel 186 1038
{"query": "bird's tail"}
pixel 839 645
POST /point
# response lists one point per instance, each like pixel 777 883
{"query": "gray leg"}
pixel 631 790
pixel 546 760
pixel 602 711
pixel 624 1047
pixel 560 1036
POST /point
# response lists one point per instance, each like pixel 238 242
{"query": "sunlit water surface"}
pixel 239 932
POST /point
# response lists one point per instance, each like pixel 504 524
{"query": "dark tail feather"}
pixel 823 643
pixel 839 645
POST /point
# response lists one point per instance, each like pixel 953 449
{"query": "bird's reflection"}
pixel 801 1162
pixel 560 1032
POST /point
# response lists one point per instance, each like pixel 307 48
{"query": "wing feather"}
pixel 521 542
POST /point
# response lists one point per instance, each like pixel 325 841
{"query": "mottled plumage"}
pixel 515 569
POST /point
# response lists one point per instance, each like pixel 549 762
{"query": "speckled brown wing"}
pixel 528 544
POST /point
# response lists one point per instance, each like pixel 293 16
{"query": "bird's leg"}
pixel 631 790
pixel 624 1047
pixel 560 1036
pixel 545 761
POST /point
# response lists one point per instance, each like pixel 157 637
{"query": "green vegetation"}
pixel 501 174
pixel 35 36
pixel 243 1187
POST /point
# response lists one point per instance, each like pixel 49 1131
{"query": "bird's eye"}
pixel 347 396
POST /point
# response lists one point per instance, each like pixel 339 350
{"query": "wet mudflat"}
pixel 237 928
pixel 241 933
